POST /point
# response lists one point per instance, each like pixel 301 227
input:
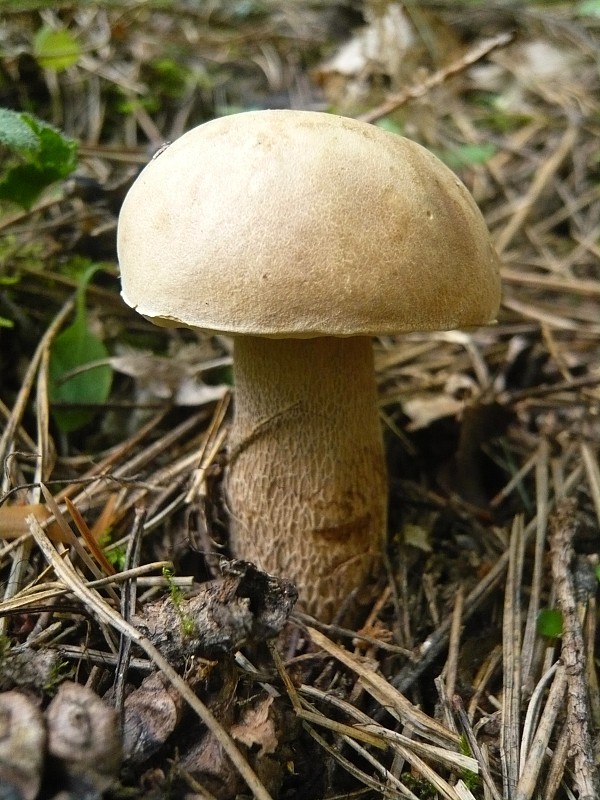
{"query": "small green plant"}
pixel 588 8
pixel 466 155
pixel 37 155
pixel 6 280
pixel 4 647
pixel 419 786
pixel 471 779
pixel 60 671
pixel 76 377
pixel 116 555
pixel 187 623
pixel 549 623
pixel 170 77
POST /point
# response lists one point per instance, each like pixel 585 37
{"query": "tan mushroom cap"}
pixel 300 224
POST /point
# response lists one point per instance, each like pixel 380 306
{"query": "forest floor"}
pixel 473 674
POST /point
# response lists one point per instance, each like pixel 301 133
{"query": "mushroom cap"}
pixel 299 224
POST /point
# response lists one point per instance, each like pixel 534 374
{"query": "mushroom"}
pixel 302 235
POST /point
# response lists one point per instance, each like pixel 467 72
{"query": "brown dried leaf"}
pixel 422 411
pixel 167 379
pixel 208 763
pixel 417 536
pixel 257 728
pixel 529 68
pixel 13 521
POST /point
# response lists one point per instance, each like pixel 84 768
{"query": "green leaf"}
pixel 75 348
pixel 170 76
pixel 550 623
pixel 23 185
pixel 15 133
pixel 117 556
pixel 9 280
pixel 467 155
pixel 57 153
pixel 390 125
pixel 52 158
pixel 55 49
pixel 588 8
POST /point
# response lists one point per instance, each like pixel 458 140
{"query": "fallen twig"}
pixel 479 51
pixel 563 526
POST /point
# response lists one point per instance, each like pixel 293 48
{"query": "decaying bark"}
pixel 244 605
pixel 563 526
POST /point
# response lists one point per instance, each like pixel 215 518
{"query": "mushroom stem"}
pixel 307 484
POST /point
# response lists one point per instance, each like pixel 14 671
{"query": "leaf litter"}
pixel 450 689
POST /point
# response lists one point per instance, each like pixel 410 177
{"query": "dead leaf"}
pixel 378 48
pixel 423 410
pixel 388 53
pixel 13 521
pixel 529 68
pixel 257 728
pixel 417 536
pixel 209 765
pixel 174 379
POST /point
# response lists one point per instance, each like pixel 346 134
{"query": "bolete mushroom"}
pixel 301 235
